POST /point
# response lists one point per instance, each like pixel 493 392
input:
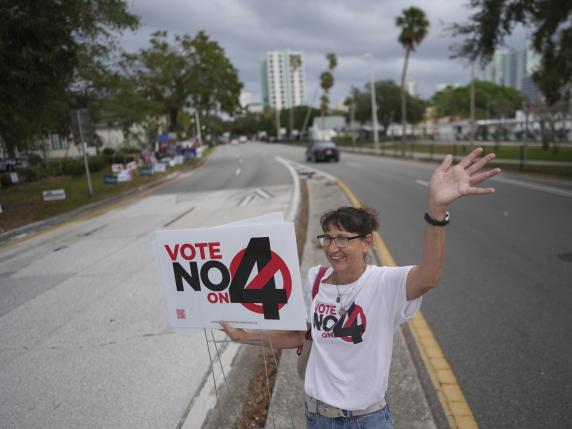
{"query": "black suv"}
pixel 322 151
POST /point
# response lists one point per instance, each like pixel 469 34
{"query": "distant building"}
pixel 340 105
pixel 282 83
pixel 514 68
pixel 254 107
pixel 411 87
pixel 327 128
pixel 245 99
pixel 442 86
pixel 530 90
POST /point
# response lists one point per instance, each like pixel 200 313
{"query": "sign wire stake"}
pixel 267 380
pixel 225 381
pixel 214 379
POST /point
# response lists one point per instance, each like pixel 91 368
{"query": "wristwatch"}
pixel 436 222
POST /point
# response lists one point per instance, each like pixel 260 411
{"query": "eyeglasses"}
pixel 341 241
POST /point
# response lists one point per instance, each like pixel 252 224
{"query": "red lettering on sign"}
pixel 172 253
pixel 201 247
pixel 188 251
pixel 214 250
pixel 185 255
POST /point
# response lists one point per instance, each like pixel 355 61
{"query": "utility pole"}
pixel 277 123
pixel 198 125
pixel 84 150
pixel 353 118
pixel 373 103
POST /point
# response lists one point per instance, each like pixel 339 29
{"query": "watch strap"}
pixel 436 222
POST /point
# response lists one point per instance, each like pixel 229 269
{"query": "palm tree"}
pixel 414 27
pixel 295 64
pixel 327 82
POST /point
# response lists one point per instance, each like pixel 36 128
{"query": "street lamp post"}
pixel 373 102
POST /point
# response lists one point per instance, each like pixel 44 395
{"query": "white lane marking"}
pixel 295 198
pixel 240 160
pixel 353 164
pixel 238 170
pixel 422 182
pixel 536 187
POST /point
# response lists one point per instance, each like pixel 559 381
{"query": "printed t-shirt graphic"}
pixel 350 370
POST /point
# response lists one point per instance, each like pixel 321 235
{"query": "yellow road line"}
pixel 101 210
pixel 455 406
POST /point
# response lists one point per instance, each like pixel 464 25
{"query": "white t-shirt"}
pixel 351 354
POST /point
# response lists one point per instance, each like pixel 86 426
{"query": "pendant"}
pixel 338 299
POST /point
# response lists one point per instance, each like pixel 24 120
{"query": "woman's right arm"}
pixel 276 339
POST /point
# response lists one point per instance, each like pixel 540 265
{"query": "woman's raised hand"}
pixel 450 182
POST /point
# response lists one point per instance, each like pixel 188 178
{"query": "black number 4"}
pixel 257 252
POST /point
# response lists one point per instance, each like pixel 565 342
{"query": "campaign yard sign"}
pixel 244 273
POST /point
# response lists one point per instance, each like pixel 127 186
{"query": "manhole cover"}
pixel 566 257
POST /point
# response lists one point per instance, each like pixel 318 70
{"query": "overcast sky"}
pixel 247 29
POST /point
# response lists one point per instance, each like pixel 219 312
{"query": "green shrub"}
pixel 121 158
pixel 108 151
pixel 29 174
pixel 72 167
pixel 96 163
pixel 5 180
pixel 131 150
pixel 76 167
pixel 54 168
pixel 34 159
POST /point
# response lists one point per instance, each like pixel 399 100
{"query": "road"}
pixel 84 339
pixel 503 312
pixel 84 336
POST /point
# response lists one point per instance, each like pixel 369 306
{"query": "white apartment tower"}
pixel 282 78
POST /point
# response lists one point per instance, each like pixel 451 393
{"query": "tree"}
pixel 491 101
pixel 550 22
pixel 414 27
pixel 44 53
pixel 388 97
pixel 326 83
pixel 164 79
pixel 295 64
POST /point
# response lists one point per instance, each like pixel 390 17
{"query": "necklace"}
pixel 342 309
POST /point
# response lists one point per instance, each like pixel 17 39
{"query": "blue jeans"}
pixel 377 420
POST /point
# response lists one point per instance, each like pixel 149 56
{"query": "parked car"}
pixel 242 139
pixel 322 151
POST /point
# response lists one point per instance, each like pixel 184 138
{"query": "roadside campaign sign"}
pixel 246 273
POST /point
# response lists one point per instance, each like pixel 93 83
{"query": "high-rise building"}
pixel 282 78
pixel 513 68
pixel 411 87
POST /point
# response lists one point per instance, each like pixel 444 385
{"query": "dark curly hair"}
pixel 362 221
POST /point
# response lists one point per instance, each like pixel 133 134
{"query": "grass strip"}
pixel 23 203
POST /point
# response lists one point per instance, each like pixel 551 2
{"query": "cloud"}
pixel 247 29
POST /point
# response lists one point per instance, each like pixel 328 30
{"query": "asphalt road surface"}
pixel 84 336
pixel 503 312
pixel 83 342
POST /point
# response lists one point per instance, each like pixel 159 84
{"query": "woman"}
pixel 357 307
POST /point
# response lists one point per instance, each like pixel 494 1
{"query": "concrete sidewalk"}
pixel 409 404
